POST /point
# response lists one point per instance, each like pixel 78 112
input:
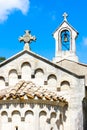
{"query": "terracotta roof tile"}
pixel 31 91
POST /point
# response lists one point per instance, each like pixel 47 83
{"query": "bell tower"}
pixel 65 42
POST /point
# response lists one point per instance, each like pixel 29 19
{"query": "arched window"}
pixel 26 71
pixel 52 82
pixel 65 85
pixel 13 78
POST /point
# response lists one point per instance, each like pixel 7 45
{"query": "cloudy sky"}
pixel 42 17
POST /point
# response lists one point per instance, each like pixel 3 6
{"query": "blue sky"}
pixel 42 17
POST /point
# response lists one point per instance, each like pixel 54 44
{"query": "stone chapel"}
pixel 38 94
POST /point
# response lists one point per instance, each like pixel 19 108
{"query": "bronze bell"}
pixel 65 37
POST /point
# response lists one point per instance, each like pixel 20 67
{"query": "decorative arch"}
pixel 65 85
pixel 13 77
pixel 4 117
pixel 52 82
pixel 39 75
pixel 28 115
pixel 29 119
pixel 16 116
pixel 53 121
pixel 2 82
pixel 43 120
pixel 26 71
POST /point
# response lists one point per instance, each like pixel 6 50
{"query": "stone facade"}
pixel 39 94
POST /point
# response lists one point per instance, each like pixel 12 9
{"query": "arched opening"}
pixel 65 40
pixel 16 127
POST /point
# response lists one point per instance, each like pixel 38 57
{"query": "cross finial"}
pixel 27 39
pixel 65 15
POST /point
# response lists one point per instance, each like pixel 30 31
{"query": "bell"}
pixel 65 37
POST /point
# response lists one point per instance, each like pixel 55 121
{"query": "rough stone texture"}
pixel 57 101
pixel 49 76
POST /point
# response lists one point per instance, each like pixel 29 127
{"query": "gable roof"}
pixel 68 25
pixel 65 69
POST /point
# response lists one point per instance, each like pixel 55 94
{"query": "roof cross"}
pixel 27 39
pixel 65 15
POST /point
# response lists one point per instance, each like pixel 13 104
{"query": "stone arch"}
pixel 4 120
pixel 29 116
pixel 16 116
pixel 43 120
pixel 13 77
pixel 53 121
pixel 29 119
pixel 59 35
pixel 52 82
pixel 65 85
pixel 39 76
pixel 2 82
pixel 26 71
pixel 4 116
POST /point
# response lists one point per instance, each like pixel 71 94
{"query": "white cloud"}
pixel 7 6
pixel 84 41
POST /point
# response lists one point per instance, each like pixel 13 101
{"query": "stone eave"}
pixel 33 101
pixel 40 58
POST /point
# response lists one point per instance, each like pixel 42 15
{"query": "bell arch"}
pixel 65 36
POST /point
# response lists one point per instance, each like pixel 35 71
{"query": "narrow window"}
pixel 16 127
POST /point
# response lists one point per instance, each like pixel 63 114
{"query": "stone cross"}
pixel 27 39
pixel 65 15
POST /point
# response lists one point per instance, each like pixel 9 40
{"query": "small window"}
pixel 16 127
